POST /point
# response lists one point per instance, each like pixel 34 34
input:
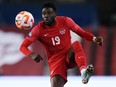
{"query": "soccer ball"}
pixel 24 20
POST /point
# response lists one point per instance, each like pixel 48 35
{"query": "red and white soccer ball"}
pixel 24 20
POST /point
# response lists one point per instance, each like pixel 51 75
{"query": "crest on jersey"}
pixel 62 31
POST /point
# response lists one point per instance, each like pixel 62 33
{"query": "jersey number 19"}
pixel 55 40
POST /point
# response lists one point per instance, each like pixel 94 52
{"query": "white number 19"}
pixel 55 40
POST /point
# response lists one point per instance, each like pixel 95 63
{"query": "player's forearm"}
pixel 24 49
pixel 88 36
pixel 33 55
pixel 84 34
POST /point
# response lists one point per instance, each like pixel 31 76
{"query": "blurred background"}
pixel 95 16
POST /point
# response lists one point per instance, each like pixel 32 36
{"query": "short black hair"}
pixel 49 4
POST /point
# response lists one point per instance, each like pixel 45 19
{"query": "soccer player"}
pixel 54 33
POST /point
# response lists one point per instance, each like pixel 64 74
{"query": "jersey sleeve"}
pixel 33 35
pixel 78 30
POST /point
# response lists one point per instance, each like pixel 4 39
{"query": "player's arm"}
pixel 26 43
pixel 84 34
pixel 87 35
pixel 25 50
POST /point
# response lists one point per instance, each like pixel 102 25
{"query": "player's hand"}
pixel 36 57
pixel 99 40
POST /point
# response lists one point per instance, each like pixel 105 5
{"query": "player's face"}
pixel 48 15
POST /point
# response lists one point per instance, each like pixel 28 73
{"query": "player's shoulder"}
pixel 36 28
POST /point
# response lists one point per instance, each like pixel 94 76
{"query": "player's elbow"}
pixel 24 47
pixel 25 50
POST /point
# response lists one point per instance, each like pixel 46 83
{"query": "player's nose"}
pixel 46 15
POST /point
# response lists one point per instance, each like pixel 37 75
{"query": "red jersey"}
pixel 56 38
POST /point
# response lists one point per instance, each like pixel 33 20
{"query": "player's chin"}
pixel 47 22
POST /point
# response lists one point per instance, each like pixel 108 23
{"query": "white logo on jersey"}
pixel 46 34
